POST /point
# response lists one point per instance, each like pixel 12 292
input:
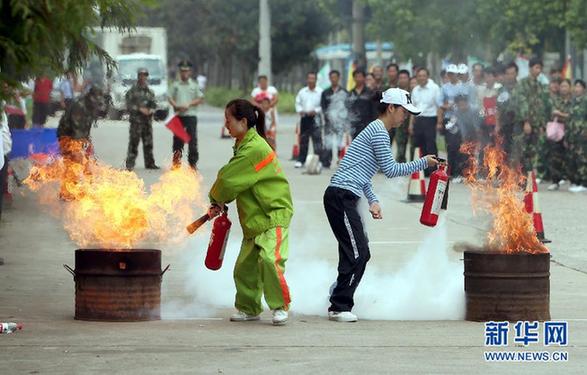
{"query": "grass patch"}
pixel 287 102
pixel 219 96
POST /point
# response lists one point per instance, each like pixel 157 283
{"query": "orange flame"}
pixel 111 208
pixel 499 194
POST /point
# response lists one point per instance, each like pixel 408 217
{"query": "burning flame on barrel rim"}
pixel 499 194
pixel 111 208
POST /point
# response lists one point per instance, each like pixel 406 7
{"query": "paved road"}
pixel 411 302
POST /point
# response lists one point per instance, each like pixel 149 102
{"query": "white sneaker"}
pixel 562 182
pixel 298 164
pixel 553 187
pixel 457 180
pixel 279 317
pixel 240 316
pixel 538 180
pixel 342 316
pixel 577 189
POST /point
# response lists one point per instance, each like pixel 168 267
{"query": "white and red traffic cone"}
pixel 295 152
pixel 417 183
pixel 345 146
pixel 533 206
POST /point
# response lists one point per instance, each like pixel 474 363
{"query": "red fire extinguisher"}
pixel 218 240
pixel 434 196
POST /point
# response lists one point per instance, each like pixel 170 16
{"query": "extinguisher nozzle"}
pixel 197 224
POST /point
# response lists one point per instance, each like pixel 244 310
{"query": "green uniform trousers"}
pixel 260 269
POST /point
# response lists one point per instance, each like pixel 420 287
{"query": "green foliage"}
pixel 287 102
pixel 202 30
pixel 297 27
pixel 52 36
pixel 462 26
pixel 219 96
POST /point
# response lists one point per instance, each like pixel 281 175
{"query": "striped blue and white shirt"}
pixel 369 153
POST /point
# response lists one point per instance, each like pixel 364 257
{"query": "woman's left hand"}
pixel 375 210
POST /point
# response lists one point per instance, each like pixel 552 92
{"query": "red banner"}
pixel 176 126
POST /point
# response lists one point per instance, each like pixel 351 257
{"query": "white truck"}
pixel 143 47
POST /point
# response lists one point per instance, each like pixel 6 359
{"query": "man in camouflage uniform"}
pixel 75 143
pixel 506 111
pixel 533 112
pixel 140 103
pixel 576 138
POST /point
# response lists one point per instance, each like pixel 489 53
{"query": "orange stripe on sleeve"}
pixel 263 163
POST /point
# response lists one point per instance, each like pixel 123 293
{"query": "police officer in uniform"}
pixel 140 103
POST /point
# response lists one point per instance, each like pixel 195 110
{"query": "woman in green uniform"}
pixel 255 179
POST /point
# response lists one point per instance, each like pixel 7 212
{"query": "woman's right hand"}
pixel 214 210
pixel 432 160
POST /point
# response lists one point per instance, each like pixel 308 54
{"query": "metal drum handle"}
pixel 165 270
pixel 69 269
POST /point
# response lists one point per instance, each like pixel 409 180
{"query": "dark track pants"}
pixel 353 245
pixel 309 128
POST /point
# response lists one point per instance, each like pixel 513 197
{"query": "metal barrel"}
pixel 117 285
pixel 507 287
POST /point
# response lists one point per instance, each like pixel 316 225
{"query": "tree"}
pixel 53 36
pixel 483 27
pixel 224 34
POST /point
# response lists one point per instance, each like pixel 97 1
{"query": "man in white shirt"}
pixel 308 107
pixel 423 127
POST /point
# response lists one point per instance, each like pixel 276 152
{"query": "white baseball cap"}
pixel 452 68
pixel 400 97
pixel 463 69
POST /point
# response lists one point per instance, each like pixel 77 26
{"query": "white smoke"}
pixel 428 287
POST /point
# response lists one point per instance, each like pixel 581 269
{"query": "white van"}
pixel 126 76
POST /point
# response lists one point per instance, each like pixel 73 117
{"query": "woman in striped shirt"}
pixel 369 153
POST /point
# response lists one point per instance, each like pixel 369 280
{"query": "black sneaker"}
pixel 152 166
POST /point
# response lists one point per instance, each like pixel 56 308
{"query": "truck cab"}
pixel 126 76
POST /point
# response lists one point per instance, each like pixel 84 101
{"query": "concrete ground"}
pixel 412 281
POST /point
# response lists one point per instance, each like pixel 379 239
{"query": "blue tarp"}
pixel 33 141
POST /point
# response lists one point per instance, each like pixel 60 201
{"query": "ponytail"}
pixel 241 108
pixel 260 123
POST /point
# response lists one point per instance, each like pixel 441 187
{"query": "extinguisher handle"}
pixel 224 207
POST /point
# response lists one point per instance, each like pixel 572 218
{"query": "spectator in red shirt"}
pixel 41 101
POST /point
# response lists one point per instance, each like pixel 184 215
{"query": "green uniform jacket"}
pixel 137 97
pixel 77 121
pixel 532 102
pixel 255 179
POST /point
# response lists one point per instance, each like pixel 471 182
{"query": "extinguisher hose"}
pixel 203 219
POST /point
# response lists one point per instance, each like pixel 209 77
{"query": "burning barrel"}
pixel 117 285
pixel 507 287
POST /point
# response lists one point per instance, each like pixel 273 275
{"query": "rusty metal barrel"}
pixel 117 285
pixel 507 287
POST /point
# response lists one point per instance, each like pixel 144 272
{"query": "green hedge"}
pixel 219 96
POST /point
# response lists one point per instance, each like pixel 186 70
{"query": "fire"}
pixel 111 208
pixel 500 194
